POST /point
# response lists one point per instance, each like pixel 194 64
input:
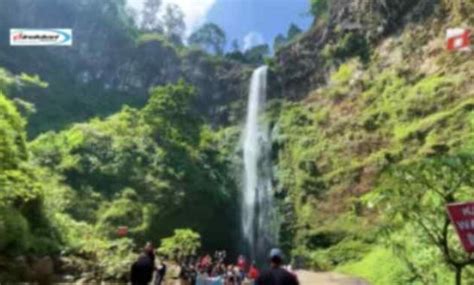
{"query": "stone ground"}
pixel 327 278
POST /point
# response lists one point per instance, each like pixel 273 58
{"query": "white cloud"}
pixel 252 39
pixel 195 11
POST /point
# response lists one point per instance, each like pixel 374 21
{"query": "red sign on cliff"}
pixel 458 39
pixel 462 217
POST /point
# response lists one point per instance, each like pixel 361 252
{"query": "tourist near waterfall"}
pixel 258 216
pixel 206 270
pixel 262 263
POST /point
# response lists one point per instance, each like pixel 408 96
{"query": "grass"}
pixel 379 267
pixel 405 131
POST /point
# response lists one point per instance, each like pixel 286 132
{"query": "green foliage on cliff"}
pixel 393 117
pixel 319 7
pixel 24 223
pixel 149 168
pixel 114 62
pixel 210 37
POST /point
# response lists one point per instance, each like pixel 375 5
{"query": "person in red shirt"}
pixel 241 263
pixel 205 263
pixel 242 266
pixel 253 272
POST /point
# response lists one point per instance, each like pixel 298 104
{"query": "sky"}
pixel 251 22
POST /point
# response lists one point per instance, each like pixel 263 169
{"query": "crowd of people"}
pixel 208 270
pixel 213 270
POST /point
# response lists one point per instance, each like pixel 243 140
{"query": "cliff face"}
pixel 350 28
pixel 109 58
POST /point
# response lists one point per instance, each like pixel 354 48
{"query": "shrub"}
pixel 183 243
pixel 14 231
pixel 379 267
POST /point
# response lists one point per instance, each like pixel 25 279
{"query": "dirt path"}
pixel 327 278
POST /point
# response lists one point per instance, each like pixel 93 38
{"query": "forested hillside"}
pixel 115 61
pixel 371 131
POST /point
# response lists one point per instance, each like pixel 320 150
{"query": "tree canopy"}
pixel 210 37
pixel 150 21
pixel 182 244
pixel 173 23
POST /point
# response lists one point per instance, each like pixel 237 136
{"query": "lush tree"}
pixel 417 194
pixel 256 54
pixel 126 209
pixel 319 7
pixel 24 225
pixel 235 45
pixel 293 32
pixel 154 170
pixel 235 53
pixel 150 21
pixel 173 23
pixel 182 244
pixel 209 37
pixel 278 42
pixel 12 136
pixel 169 112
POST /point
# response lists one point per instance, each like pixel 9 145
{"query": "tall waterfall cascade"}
pixel 258 210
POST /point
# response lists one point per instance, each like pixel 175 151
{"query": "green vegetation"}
pixel 116 64
pixel 293 33
pixel 152 170
pixel 319 7
pixel 432 183
pixel 379 267
pixel 209 37
pixel 109 137
pixel 25 224
pixel 350 45
pixel 367 163
pixel 254 56
pixel 182 244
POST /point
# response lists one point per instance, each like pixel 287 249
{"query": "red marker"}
pixel 458 39
pixel 122 231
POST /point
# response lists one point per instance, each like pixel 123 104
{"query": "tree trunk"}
pixel 459 275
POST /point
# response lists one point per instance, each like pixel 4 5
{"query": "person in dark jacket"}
pixel 142 269
pixel 276 275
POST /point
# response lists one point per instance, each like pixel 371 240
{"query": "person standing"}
pixel 253 272
pixel 230 276
pixel 160 273
pixel 242 263
pixel 276 275
pixel 242 267
pixel 142 269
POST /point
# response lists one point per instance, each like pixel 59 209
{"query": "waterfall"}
pixel 258 213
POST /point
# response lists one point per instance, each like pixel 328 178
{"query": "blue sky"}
pixel 257 21
pixel 250 21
